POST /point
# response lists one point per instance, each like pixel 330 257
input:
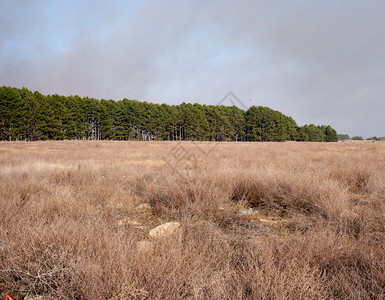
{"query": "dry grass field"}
pixel 257 220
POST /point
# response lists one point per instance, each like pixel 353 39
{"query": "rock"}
pixel 165 230
pixel 248 212
pixel 144 207
pixel 145 246
pixel 1 247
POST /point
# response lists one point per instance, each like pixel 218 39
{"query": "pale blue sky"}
pixel 320 62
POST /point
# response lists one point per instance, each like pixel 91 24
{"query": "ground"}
pixel 251 220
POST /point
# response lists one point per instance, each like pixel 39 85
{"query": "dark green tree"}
pixel 32 116
pixel 357 138
pixel 343 137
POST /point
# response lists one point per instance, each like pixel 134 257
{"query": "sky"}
pixel 320 62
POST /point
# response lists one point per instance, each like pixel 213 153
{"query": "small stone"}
pixel 2 247
pixel 165 230
pixel 248 212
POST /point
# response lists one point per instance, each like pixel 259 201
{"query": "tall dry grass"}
pixel 319 232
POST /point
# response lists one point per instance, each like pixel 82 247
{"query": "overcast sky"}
pixel 320 62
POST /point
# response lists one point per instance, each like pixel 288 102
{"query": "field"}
pixel 257 220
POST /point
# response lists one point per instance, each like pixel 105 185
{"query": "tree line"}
pixel 27 115
pixel 344 137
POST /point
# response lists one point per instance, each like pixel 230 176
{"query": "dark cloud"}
pixel 318 61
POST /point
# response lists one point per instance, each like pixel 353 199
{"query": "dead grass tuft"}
pixel 76 218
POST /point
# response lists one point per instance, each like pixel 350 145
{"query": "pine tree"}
pixel 33 116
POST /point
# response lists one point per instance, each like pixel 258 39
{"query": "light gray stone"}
pixel 166 230
pixel 248 212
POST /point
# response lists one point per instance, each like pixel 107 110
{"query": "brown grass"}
pixel 70 221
